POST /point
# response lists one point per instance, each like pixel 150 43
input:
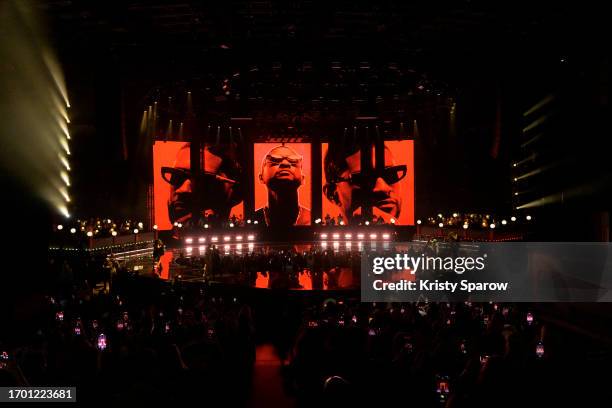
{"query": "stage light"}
pixel 367 223
pixel 251 237
pixel 492 226
pixel 255 222
pixel 385 236
pixel 512 219
pixel 189 249
pixel 214 239
pixel 202 248
pixel 201 240
pixel 324 244
pixel 175 223
pixel 441 225
pixel 248 221
pixel 64 161
pixel 341 222
pixel 140 225
pixel 135 230
pixel 65 178
pixel 360 236
pixel 114 233
pixel 206 226
pixel 231 225
pixel 72 230
pixel 419 222
pixel 465 226
pixel 318 221
pixel 392 220
pixel 251 247
pixel 348 236
pixel 336 245
pixel 515 179
pixel 180 225
pixel 373 236
pixel 89 234
pixel 238 237
pixel 155 227
pixel 188 240
pixel 226 247
pixel 323 236
pixel 455 215
pixel 336 236
pixel 439 215
pixel 226 238
pixel 60 227
pixel 514 164
pixel 348 245
pixel 528 218
pixel 504 222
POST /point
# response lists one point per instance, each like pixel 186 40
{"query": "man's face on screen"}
pixel 382 189
pixel 214 197
pixel 282 167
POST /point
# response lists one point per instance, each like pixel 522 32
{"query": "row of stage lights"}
pixel 491 226
pixel 215 239
pixel 359 236
pixel 227 247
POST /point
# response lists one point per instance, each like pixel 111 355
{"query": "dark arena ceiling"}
pixel 314 58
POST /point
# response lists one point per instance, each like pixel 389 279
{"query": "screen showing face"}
pixel 282 183
pixel 387 188
pixel 214 190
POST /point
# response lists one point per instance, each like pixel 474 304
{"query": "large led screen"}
pixel 282 175
pixel 217 193
pixel 388 189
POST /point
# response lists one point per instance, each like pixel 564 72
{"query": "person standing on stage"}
pixel 281 173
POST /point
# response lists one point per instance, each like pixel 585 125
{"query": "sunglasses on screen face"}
pixel 390 175
pixel 276 160
pixel 176 176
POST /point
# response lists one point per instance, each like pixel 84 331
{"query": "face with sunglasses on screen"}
pixel 281 173
pixel 218 187
pixel 351 189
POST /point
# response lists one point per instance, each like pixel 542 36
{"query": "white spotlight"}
pixel 140 225
pixel 202 248
pixel 385 236
pixel 318 221
pixel 367 223
pixel 341 222
pixel 255 222
pixel 251 237
pixel 392 220
pixel 188 240
pixel 238 237
pixel 528 218
pixel 180 225
pixel 231 225
pixel 360 236
pixel 513 219
pixel 65 178
pixel 323 236
pixel 492 226
pixel 72 230
pixel 336 236
pixel 348 236
pixel 504 222
pixel 60 227
pixel 205 225
pixel 441 225
pixel 214 239
pixel 89 234
pixel 373 236
pixel 465 226
pixel 201 240
pixel 135 230
pixel 155 227
pixel 226 238
pixel 189 249
pixel 248 221
pixel 419 222
pixel 114 233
